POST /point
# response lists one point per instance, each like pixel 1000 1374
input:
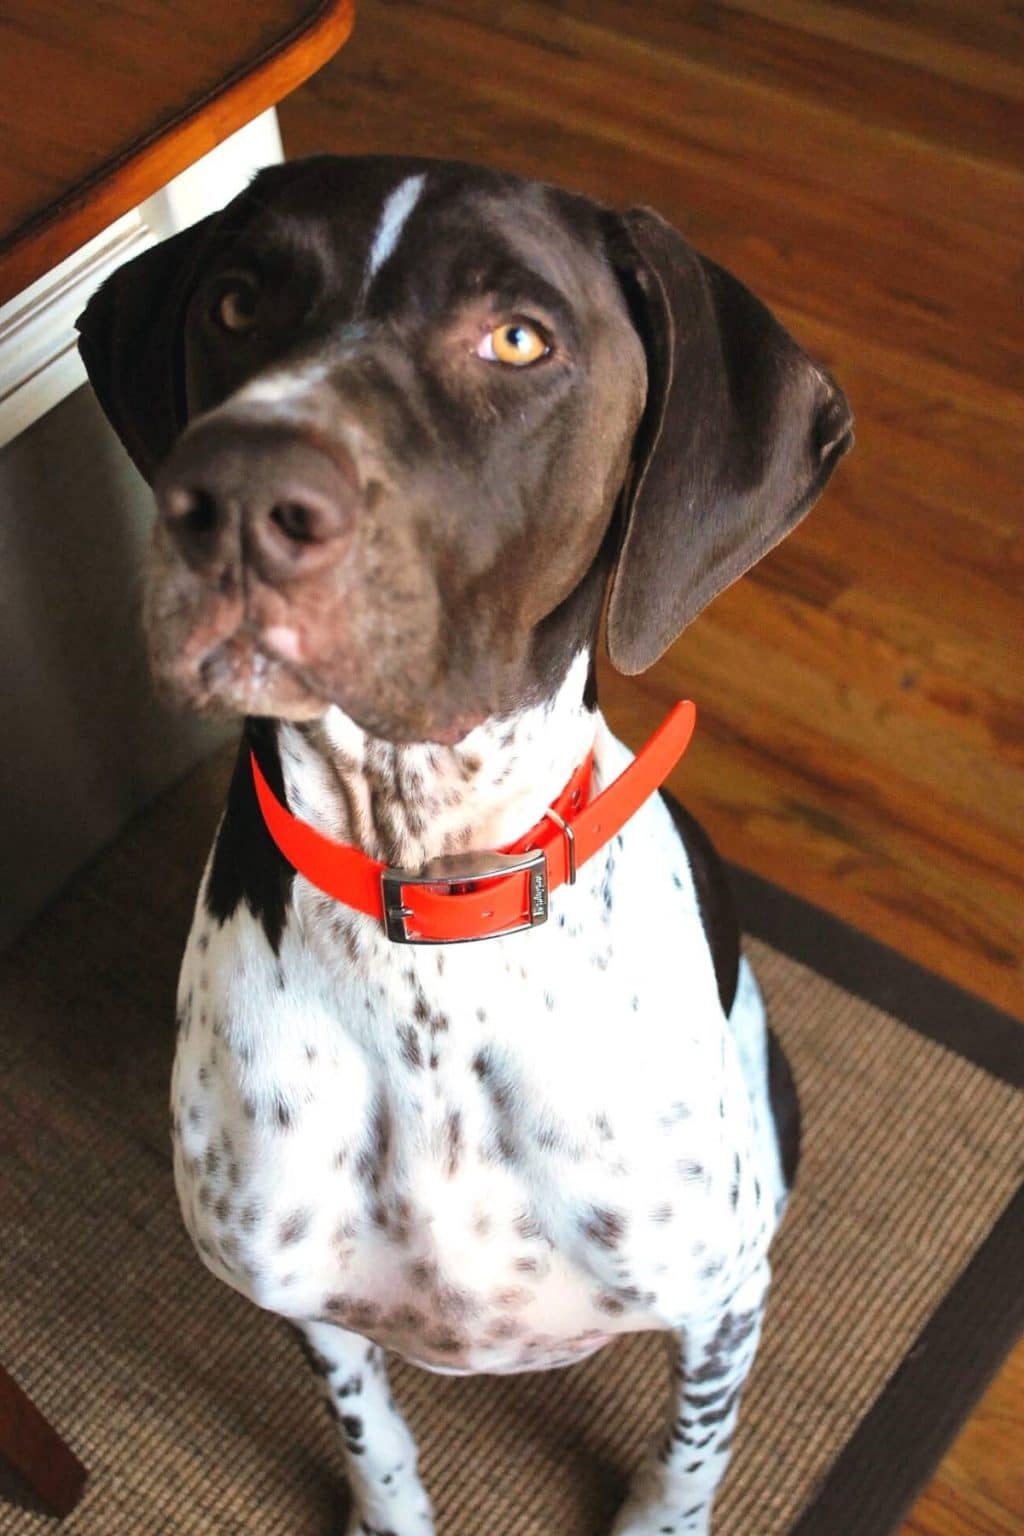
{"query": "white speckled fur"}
pixel 577 1143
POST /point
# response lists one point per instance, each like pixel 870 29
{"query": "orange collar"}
pixel 480 895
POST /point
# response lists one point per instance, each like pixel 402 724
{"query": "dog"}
pixel 416 430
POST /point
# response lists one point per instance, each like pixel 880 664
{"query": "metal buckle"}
pixel 569 838
pixel 466 869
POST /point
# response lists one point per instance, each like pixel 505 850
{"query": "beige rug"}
pixel 196 1414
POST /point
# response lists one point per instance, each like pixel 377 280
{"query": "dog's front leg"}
pixel 712 1356
pixel 388 1498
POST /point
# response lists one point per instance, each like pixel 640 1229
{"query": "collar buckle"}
pixel 462 874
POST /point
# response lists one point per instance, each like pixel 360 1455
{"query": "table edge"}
pixel 146 165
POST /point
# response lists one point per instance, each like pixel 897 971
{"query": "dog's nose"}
pixel 287 503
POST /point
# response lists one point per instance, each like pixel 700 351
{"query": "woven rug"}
pixel 897 1286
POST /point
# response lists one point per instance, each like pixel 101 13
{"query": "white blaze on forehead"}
pixel 397 208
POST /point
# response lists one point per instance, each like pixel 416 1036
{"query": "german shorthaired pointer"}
pixel 410 423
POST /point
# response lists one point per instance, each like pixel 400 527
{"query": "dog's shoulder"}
pixel 714 898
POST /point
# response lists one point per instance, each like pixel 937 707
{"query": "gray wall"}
pixel 83 741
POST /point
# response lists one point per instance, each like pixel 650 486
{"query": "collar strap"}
pixel 480 895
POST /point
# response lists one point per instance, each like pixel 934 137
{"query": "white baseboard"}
pixel 39 362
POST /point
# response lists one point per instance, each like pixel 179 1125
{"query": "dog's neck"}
pixel 407 804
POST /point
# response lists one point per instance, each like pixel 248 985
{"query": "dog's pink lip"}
pixel 229 666
pixel 245 645
pixel 237 673
pixel 284 641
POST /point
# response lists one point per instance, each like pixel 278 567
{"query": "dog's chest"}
pixel 484 1157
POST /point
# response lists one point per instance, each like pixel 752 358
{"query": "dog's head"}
pixel 406 420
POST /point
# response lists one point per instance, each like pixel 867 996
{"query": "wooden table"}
pixel 103 105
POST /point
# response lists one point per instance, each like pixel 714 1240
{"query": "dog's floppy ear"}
pixel 130 339
pixel 740 433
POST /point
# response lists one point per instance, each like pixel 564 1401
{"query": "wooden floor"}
pixel 860 166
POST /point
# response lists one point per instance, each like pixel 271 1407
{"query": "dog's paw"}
pixel 664 1522
pixel 400 1511
pixel 645 1518
pixel 363 1528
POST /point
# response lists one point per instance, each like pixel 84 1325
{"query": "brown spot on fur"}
pixel 294 1227
pixel 409 1040
pixel 423 1273
pixel 405 1318
pixel 446 1342
pixel 249 1217
pixel 362 1314
pixel 512 1296
pixel 453 1143
pixel 455 1303
pixel 504 1328
pixel 604 1227
pixel 373 1159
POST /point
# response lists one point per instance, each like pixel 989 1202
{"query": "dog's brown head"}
pixel 405 419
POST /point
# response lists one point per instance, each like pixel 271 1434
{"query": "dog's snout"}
pixel 283 504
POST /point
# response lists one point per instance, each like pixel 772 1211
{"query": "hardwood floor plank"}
pixel 711 108
pixel 975 1459
pixel 950 53
pixel 996 28
pixel 759 44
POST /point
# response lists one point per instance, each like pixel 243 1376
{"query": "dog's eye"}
pixel 236 308
pixel 516 342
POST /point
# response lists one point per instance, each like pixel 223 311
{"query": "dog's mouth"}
pixel 245 675
pixel 241 673
pixel 244 649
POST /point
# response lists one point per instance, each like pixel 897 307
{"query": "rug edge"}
pixel 911 1424
pixel 928 1003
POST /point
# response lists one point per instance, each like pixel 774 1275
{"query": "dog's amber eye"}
pixel 236 307
pixel 516 342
